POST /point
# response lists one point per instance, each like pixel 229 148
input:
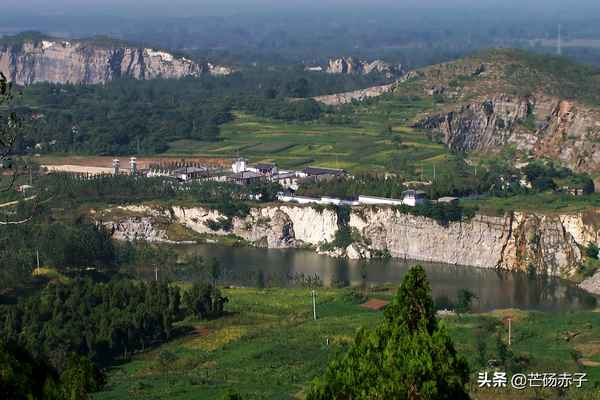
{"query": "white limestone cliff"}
pixel 549 244
pixel 84 62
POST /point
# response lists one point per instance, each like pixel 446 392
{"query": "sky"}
pixel 183 8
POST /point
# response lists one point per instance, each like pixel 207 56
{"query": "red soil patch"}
pixel 375 304
pixel 588 363
pixel 201 331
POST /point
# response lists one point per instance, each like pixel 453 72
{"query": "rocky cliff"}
pixel 544 126
pixel 86 62
pixel 481 125
pixel 351 66
pixel 501 98
pixel 516 242
pixel 358 95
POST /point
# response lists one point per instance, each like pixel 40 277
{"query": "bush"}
pixel 592 251
pixel 204 301
pixel 222 224
pixel 442 213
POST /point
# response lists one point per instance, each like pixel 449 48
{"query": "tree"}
pixel 465 299
pixel 214 270
pixel 592 250
pixel 80 378
pixel 260 280
pixel 408 356
pixel 204 301
pixel 24 377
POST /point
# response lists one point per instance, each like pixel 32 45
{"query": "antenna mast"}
pixel 559 42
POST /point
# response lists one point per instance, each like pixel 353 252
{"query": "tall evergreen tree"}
pixel 408 356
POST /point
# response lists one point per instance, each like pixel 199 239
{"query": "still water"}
pixel 494 289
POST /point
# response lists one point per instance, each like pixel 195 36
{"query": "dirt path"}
pixel 14 203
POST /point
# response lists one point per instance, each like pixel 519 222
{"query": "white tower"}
pixel 116 166
pixel 133 165
pixel 239 165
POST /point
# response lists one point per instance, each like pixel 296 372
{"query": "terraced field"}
pixel 362 144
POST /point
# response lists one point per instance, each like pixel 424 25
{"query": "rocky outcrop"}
pixel 363 94
pixel 592 284
pixel 356 95
pixel 351 66
pixel 137 228
pixel 85 62
pixel 570 132
pixel 516 242
pixel 272 227
pixel 546 127
pixel 484 125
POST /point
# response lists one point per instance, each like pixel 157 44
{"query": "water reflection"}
pixel 494 289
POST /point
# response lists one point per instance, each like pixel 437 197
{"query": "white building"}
pixel 371 200
pixel 413 197
pixel 239 165
pixel 325 201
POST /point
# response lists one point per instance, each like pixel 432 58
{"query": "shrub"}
pixel 592 251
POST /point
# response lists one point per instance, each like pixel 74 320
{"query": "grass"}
pixel 548 203
pixel 269 347
pixel 356 146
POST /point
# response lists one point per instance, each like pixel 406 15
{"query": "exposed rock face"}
pixel 592 284
pixel 569 132
pixel 516 242
pixel 273 227
pixel 363 94
pixel 351 66
pixel 359 95
pixel 557 129
pixel 132 229
pixel 482 125
pixel 62 61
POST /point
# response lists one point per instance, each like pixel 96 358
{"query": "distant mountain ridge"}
pixel 31 58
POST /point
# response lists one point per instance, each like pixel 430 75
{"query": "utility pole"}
pixel 314 299
pixel 156 273
pixel 509 331
pixel 433 172
pixel 37 255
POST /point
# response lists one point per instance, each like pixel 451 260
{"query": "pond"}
pixel 494 289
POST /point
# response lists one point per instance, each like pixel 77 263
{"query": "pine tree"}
pixel 408 356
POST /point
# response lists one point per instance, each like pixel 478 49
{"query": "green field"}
pixel 359 145
pixel 269 347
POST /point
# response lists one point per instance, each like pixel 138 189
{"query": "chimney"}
pixel 133 165
pixel 116 164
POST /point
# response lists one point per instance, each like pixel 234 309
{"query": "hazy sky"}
pixel 225 7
